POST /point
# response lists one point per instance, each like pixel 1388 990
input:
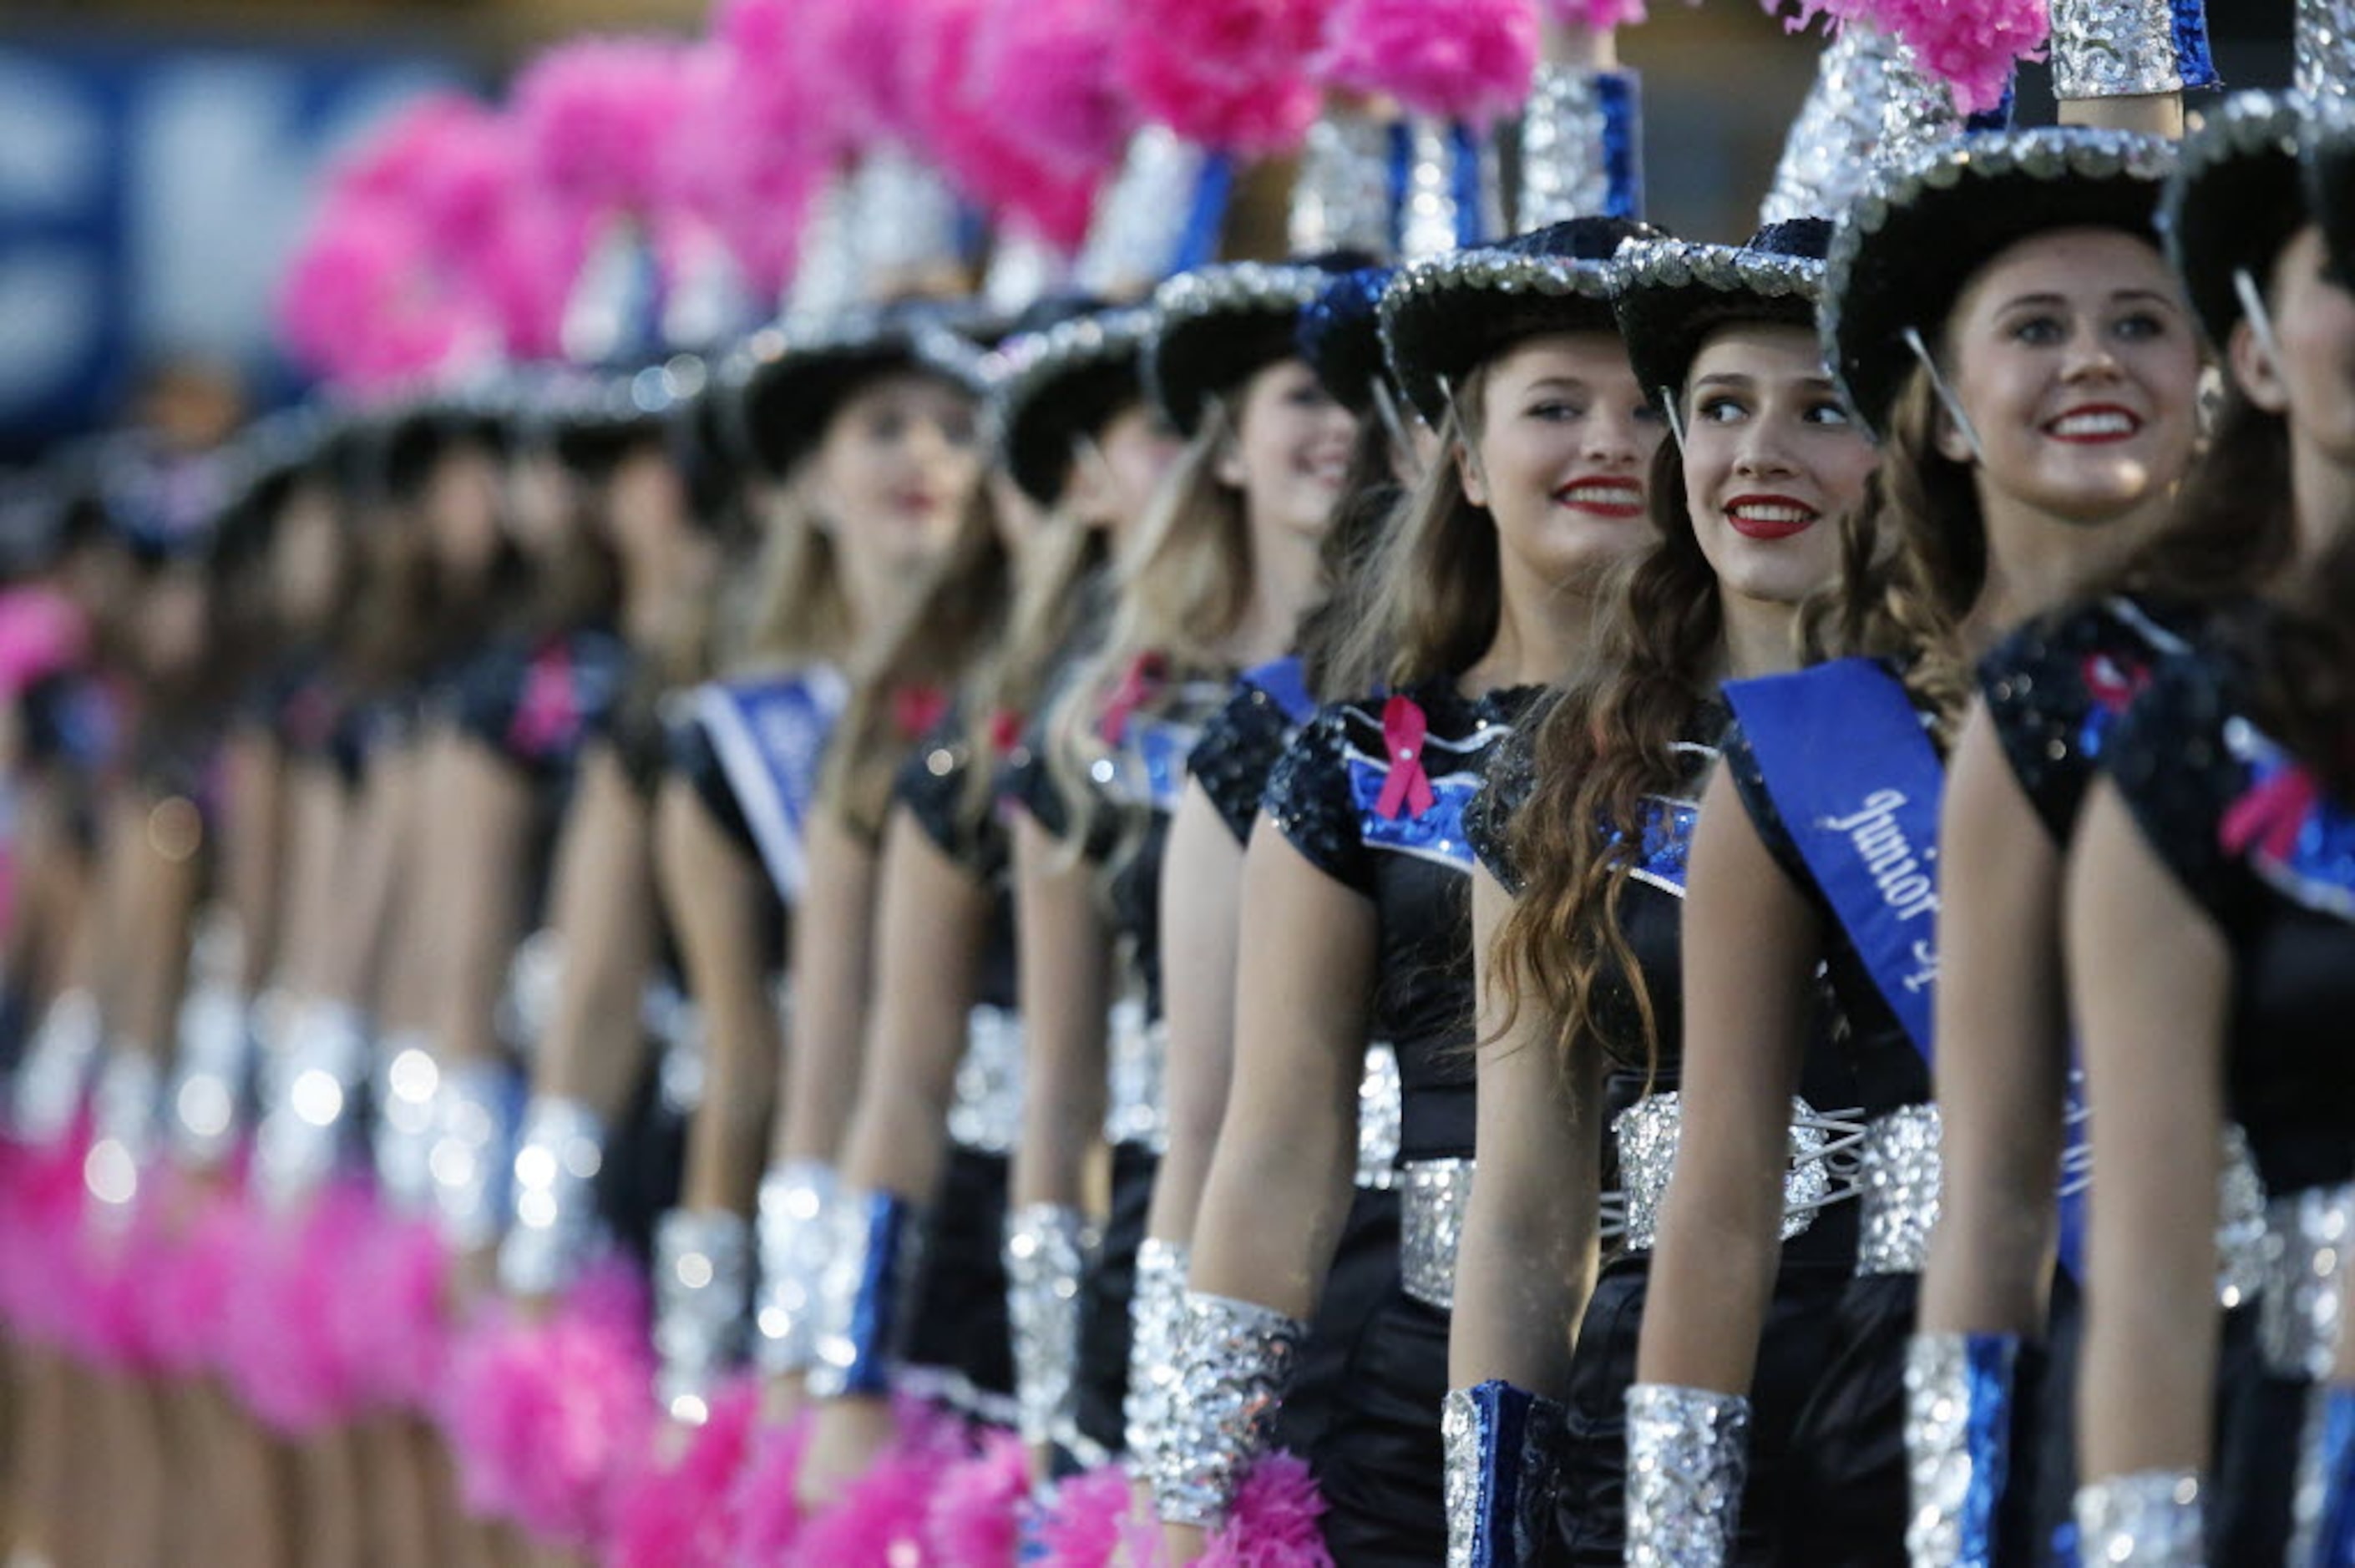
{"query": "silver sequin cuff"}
pixel 2298 1307
pixel 1381 1111
pixel 986 1113
pixel 702 1282
pixel 1046 1256
pixel 1502 1452
pixel 1688 1450
pixel 1581 152
pixel 1140 220
pixel 872 1241
pixel 125 1127
pixel 1870 104
pixel 1823 1153
pixel 1433 1196
pixel 408 1084
pixel 2152 1519
pixel 1236 1361
pixel 796 1201
pixel 470 1154
pixel 2128 48
pixel 1341 196
pixel 2325 47
pixel 1156 1323
pixel 311 1117
pixel 56 1070
pixel 2244 1241
pixel 1900 1180
pixel 208 1074
pixel 1958 1403
pixel 552 1225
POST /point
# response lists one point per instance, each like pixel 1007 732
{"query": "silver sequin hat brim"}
pixel 1442 317
pixel 1218 326
pixel 1669 294
pixel 2234 201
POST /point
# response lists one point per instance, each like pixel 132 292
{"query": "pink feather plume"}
pixel 1598 14
pixel 1457 59
pixel 855 52
pixel 1086 1523
pixel 595 115
pixel 1229 74
pixel 1972 48
pixel 960 116
pixel 680 1515
pixel 880 1521
pixel 1274 1525
pixel 361 305
pixel 975 1518
pixel 1058 97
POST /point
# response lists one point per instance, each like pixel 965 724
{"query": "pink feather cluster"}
pixel 1274 1525
pixel 855 81
pixel 959 117
pixel 766 1507
pixel 543 1418
pixel 974 1519
pixel 595 115
pixel 360 304
pixel 680 1515
pixel 880 1521
pixel 1972 48
pixel 1085 1524
pixel 1600 16
pixel 1051 61
pixel 1458 60
pixel 1232 75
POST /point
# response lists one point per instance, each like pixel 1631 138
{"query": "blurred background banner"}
pixel 148 195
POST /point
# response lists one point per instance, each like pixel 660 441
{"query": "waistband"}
pixel 1825 1150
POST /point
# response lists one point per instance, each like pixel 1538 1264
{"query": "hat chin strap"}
pixel 1463 432
pixel 1386 409
pixel 1676 418
pixel 1946 398
pixel 2261 319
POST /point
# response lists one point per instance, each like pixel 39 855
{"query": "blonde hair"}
pixel 801 611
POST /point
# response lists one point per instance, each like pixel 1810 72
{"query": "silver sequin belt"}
pixel 987 1114
pixel 1135 1109
pixel 2297 1306
pixel 1898 1179
pixel 1824 1152
pixel 1433 1196
pixel 1380 1107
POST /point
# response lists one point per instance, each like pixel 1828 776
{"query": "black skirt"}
pixel 1845 1504
pixel 956 1320
pixel 1105 1296
pixel 1365 1271
pixel 1590 1502
pixel 1379 1462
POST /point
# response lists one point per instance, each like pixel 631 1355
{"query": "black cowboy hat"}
pixel 1671 295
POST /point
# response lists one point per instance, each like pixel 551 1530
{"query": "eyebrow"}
pixel 2117 296
pixel 1733 378
pixel 1571 382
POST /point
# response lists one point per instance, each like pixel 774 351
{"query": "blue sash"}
pixel 1285 680
pixel 1858 785
pixel 770 737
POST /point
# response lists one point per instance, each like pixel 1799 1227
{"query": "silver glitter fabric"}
pixel 1957 1396
pixel 2324 40
pixel 2114 49
pixel 1136 1110
pixel 986 1113
pixel 527 999
pixel 2298 1306
pixel 1237 1360
pixel 1688 1450
pixel 313 1108
pixel 2152 1519
pixel 1460 1436
pixel 1156 1323
pixel 1432 1197
pixel 408 1083
pixel 702 1277
pixel 904 218
pixel 2243 1242
pixel 1341 196
pixel 1565 140
pixel 208 1072
pixel 1046 1256
pixel 827 272
pixel 1822 1151
pixel 553 1224
pixel 55 1073
pixel 1869 103
pixel 1380 1112
pixel 1023 270
pixel 1137 225
pixel 1431 219
pixel 470 1154
pixel 796 1198
pixel 1900 1180
pixel 872 1241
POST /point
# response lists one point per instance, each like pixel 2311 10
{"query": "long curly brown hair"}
pixel 1607 741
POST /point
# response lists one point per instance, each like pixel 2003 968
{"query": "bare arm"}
pixel 602 902
pixel 1201 900
pixel 160 875
pixel 1066 987
pixel 365 894
pixel 712 891
pixel 320 817
pixel 2003 1060
pixel 1751 942
pixel 254 848
pixel 933 926
pixel 2149 979
pixel 833 966
pixel 473 914
pixel 1525 1262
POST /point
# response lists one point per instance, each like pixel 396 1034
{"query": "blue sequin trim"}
pixel 2193 61
pixel 2319 872
pixel 1623 152
pixel 1988 1369
pixel 1436 834
pixel 1667 844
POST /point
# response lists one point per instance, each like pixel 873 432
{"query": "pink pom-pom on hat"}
pixel 1458 60
pixel 1230 75
pixel 1600 16
pixel 961 115
pixel 1972 49
pixel 1060 102
pixel 595 115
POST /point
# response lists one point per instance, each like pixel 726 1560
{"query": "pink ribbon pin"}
pixel 1136 688
pixel 2271 815
pixel 1408 788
